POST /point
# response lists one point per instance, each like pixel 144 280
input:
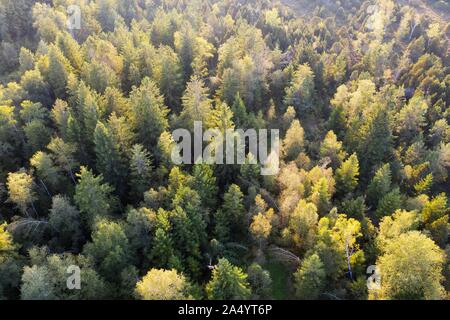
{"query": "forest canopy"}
pixel 359 91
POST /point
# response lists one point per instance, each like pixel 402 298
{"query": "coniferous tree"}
pixel 21 190
pixel 109 159
pixel 148 113
pixel 93 197
pixel 204 183
pixel 227 282
pixel 310 278
pixel 380 185
pixel 140 171
pixel 347 175
pixel 66 224
pixel 229 217
pixel 109 249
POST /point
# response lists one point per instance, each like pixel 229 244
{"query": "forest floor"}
pixel 279 279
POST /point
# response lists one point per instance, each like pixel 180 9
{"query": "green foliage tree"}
pixel 228 282
pixel 46 170
pixel 109 249
pixel 260 282
pixel 389 203
pixel 380 185
pixel 301 90
pixel 57 72
pixel 347 175
pixel 93 197
pixel 196 104
pixel 46 278
pixel 204 182
pixel 332 148
pixel 140 171
pixel 310 278
pixel 109 159
pixel 10 265
pixel 358 92
pixel 293 143
pixel 66 224
pixel 163 252
pixel 20 188
pixel 167 74
pixel 408 255
pixel 148 113
pixel 139 231
pixel 63 155
pixel 229 218
pixel 435 216
pixel 302 226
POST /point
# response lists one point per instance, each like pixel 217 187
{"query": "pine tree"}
pixel 109 159
pixel 37 134
pixel 196 104
pixel 46 170
pixel 163 252
pixel 411 119
pixel 57 74
pixel 20 188
pixel 63 155
pixel 93 197
pixel 347 175
pixel 302 226
pixel 82 120
pixel 332 148
pixel 204 182
pixel 109 249
pixel 36 88
pixel 299 94
pixel 389 203
pixel 189 233
pixel 148 113
pixel 310 278
pixel 321 196
pixel 260 282
pixel 293 143
pixel 376 145
pixel 230 217
pixel 141 171
pixel 379 186
pixel 66 224
pixel 167 74
pixel 221 118
pixel 228 282
pixel 36 129
pixel 240 115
